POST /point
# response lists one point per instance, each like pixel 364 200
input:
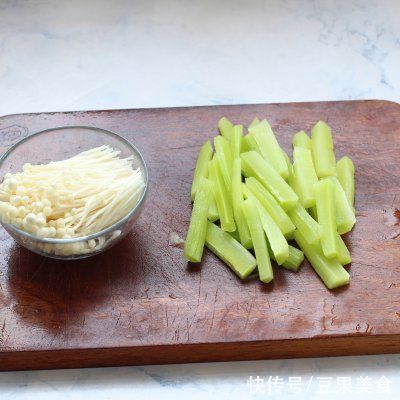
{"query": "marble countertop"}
pixel 81 55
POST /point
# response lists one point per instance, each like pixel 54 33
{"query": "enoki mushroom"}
pixel 72 198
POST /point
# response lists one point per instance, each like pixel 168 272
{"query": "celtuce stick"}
pixel 237 199
pixel 253 123
pixel 345 217
pixel 254 165
pixel 322 149
pixel 288 163
pixel 196 235
pixel 271 205
pixel 225 127
pixel 259 240
pixel 301 139
pixel 213 210
pixel 304 176
pixel 329 270
pixel 269 147
pixel 222 197
pixel 236 141
pixel 224 156
pixel 250 143
pixel 345 172
pixel 307 225
pixel 279 245
pixel 344 254
pixel 223 245
pixel 295 259
pixel 293 262
pixel 326 211
pixel 201 169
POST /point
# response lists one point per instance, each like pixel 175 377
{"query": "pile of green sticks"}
pixel 250 201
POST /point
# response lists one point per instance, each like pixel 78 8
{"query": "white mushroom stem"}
pixel 74 197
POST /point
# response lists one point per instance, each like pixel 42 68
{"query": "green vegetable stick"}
pixel 230 251
pixel 259 240
pixel 288 163
pixel 225 127
pixel 250 143
pixel 271 205
pixel 322 149
pixel 293 182
pixel 222 197
pixel 293 262
pixel 253 123
pixel 196 235
pixel 344 254
pixel 236 140
pixel 213 210
pixel 305 176
pixel 223 153
pixel 237 199
pixel 301 139
pixel 277 241
pixel 329 270
pixel 295 259
pixel 326 211
pixel 345 171
pixel 345 218
pixel 254 165
pixel 269 147
pixel 201 169
pixel 303 221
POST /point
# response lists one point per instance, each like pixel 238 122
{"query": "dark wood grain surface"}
pixel 141 303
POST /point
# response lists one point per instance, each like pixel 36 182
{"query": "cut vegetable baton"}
pixel 329 270
pixel 326 211
pixel 301 139
pixel 277 241
pixel 254 165
pixel 237 199
pixel 270 208
pixel 196 235
pixel 224 246
pixel 222 197
pixel 345 218
pixel 271 205
pixel 259 243
pixel 236 141
pixel 303 221
pixel 224 156
pixel 322 149
pixel 304 175
pixel 225 127
pixel 269 147
pixel 201 169
pixel 345 172
pixel 293 262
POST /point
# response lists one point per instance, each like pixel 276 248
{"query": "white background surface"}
pixel 80 55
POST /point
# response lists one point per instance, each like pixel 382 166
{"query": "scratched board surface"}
pixel 140 302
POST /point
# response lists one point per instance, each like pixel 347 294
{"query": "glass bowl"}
pixel 58 144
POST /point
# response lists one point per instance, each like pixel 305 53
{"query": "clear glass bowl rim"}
pixel 105 231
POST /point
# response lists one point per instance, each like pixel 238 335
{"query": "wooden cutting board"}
pixel 141 303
